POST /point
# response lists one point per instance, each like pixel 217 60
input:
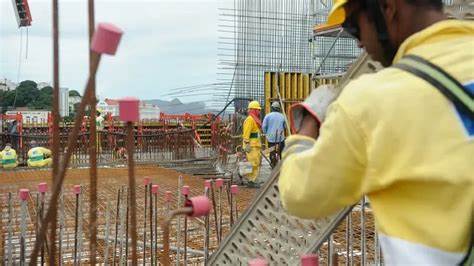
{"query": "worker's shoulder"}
pixel 370 88
pixel 275 115
pixel 248 119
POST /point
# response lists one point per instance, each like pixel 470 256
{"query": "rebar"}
pixel 107 233
pixel 23 213
pixel 117 218
pixel 131 185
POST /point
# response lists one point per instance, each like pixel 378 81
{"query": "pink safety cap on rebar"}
pixel 129 109
pixel 219 182
pixel 154 189
pixel 185 190
pixel 146 180
pixel 258 262
pixel 168 196
pixel 76 189
pixel 207 184
pixel 200 204
pixel 24 192
pixel 234 189
pixel 106 39
pixel 309 260
pixel 43 187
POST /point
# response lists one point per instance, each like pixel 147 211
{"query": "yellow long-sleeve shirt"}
pixel 251 132
pixel 394 137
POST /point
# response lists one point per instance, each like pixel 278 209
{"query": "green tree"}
pixel 73 93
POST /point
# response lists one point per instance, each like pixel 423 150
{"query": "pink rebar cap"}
pixel 76 189
pixel 207 184
pixel 106 39
pixel 168 196
pixel 309 260
pixel 185 190
pixel 129 109
pixel 43 187
pixel 146 180
pixel 24 192
pixel 154 189
pixel 200 204
pixel 234 189
pixel 258 262
pixel 219 182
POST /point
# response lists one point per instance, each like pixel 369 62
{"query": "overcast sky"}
pixel 167 44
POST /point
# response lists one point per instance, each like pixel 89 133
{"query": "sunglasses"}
pixel 351 26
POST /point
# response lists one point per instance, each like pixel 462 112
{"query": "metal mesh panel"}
pixel 266 230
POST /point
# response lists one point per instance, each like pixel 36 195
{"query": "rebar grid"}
pixel 110 180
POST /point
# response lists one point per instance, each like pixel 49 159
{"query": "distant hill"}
pixel 175 106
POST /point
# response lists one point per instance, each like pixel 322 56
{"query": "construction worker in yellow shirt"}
pixel 39 156
pixel 8 157
pixel 252 145
pixel 403 136
pixel 100 125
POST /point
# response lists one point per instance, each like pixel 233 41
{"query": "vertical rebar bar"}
pixel 76 228
pixel 178 221
pixel 23 217
pixel 362 232
pixel 145 194
pixel 131 185
pixel 107 232
pixel 117 213
pixel 206 231
pixel 127 217
pixel 151 223
pixel 349 239
pixel 62 218
pixel 92 144
pixel 10 229
pixel 56 136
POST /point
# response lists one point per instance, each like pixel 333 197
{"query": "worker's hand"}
pixel 306 117
pixel 309 126
pixel 247 148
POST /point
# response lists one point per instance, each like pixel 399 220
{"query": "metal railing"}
pixel 161 146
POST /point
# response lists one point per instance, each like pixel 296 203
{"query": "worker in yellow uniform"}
pixel 403 136
pixel 39 156
pixel 251 141
pixel 8 157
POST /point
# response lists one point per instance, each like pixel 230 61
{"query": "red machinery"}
pixel 22 13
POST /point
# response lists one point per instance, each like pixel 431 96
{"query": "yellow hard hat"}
pixel 254 105
pixel 337 15
pixel 100 110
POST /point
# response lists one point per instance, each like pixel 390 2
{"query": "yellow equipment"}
pixel 8 158
pixel 39 157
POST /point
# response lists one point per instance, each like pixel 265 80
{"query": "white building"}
pixel 64 102
pixel 32 116
pixel 147 111
pixel 7 85
pixel 73 100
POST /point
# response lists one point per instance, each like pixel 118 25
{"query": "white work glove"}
pixel 316 105
pixel 247 148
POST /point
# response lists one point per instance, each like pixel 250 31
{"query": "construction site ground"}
pixel 110 180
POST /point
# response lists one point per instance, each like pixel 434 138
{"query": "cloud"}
pixel 167 44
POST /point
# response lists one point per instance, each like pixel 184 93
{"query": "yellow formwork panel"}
pixel 293 87
pixel 268 89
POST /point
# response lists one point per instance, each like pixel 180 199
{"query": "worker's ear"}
pixel 390 10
